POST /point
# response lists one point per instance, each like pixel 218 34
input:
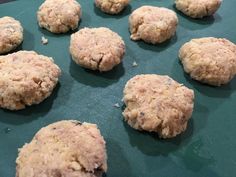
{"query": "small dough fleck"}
pixel 11 34
pixel 134 64
pixel 59 16
pixel 44 40
pixel 64 149
pixel 117 105
pixel 152 24
pixel 198 8
pixel 156 103
pixel 97 48
pixel 27 78
pixel 209 60
pixel 111 6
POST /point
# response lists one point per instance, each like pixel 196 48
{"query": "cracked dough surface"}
pixel 198 8
pixel 26 79
pixel 152 24
pixel 97 48
pixel 11 34
pixel 59 16
pixel 157 103
pixel 209 60
pixel 111 6
pixel 64 149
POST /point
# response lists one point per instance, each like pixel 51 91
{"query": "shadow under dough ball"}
pixel 152 24
pixel 156 103
pixel 59 16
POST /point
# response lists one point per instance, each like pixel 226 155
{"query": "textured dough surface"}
pixel 59 16
pixel 111 6
pixel 11 34
pixel 209 60
pixel 26 79
pixel 97 48
pixel 152 24
pixel 198 8
pixel 157 103
pixel 64 149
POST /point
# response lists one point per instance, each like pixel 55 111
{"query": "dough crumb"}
pixel 135 64
pixel 44 40
pixel 116 105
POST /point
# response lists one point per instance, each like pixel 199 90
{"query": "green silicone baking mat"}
pixel 206 149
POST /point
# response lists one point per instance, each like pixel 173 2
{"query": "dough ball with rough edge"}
pixel 11 34
pixel 198 8
pixel 152 24
pixel 209 60
pixel 156 103
pixel 111 6
pixel 67 149
pixel 27 78
pixel 97 48
pixel 59 16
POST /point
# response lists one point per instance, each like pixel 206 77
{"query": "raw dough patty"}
pixel 26 78
pixel 97 48
pixel 59 16
pixel 11 34
pixel 198 8
pixel 152 24
pixel 64 149
pixel 111 6
pixel 209 60
pixel 157 103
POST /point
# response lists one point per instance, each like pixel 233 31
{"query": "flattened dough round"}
pixel 64 149
pixel 59 16
pixel 157 103
pixel 198 8
pixel 26 79
pixel 11 34
pixel 111 6
pixel 209 60
pixel 152 24
pixel 97 48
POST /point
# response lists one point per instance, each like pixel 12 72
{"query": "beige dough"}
pixel 64 149
pixel 111 6
pixel 152 24
pixel 26 79
pixel 209 60
pixel 97 48
pixel 59 16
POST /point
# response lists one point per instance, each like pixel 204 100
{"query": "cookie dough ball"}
pixel 198 8
pixel 97 48
pixel 111 6
pixel 26 79
pixel 152 24
pixel 157 103
pixel 59 16
pixel 11 34
pixel 209 60
pixel 64 149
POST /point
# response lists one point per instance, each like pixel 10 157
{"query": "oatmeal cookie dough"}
pixel 157 103
pixel 152 24
pixel 198 8
pixel 59 16
pixel 11 34
pixel 209 60
pixel 27 78
pixel 97 48
pixel 67 149
pixel 111 6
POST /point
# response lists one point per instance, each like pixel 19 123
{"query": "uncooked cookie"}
pixel 11 34
pixel 198 8
pixel 64 149
pixel 152 24
pixel 157 103
pixel 209 60
pixel 59 16
pixel 26 79
pixel 111 6
pixel 97 48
